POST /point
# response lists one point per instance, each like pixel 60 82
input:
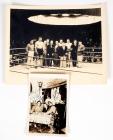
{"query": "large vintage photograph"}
pixel 62 39
pixel 48 103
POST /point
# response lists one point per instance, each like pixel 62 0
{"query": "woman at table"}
pixel 51 109
pixel 37 108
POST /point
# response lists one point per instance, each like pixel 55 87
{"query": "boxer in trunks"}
pixel 39 45
pixel 68 45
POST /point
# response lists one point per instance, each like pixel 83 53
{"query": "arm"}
pixel 82 48
pixel 27 48
pixel 51 110
pixel 45 106
pixel 36 46
pixel 32 110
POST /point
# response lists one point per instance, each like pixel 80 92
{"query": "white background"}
pixel 90 108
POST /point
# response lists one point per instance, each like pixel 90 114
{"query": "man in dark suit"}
pixel 50 51
pixel 74 50
pixel 62 49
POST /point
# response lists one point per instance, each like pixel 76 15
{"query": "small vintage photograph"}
pixel 48 103
pixel 57 39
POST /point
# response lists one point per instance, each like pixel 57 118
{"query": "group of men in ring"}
pixel 58 54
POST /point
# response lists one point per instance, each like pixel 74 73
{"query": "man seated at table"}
pixel 51 109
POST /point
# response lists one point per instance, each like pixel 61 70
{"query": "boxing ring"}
pixel 91 71
pixel 18 59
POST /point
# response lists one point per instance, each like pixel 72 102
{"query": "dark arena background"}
pixel 23 30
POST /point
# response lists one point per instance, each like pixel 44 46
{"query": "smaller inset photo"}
pixel 48 104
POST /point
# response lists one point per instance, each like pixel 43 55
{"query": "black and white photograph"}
pixel 48 103
pixel 57 39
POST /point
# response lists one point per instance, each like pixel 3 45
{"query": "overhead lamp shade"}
pixel 64 19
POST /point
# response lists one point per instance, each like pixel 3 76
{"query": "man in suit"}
pixel 81 48
pixel 62 49
pixel 74 50
pixel 56 56
pixel 50 51
pixel 30 52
